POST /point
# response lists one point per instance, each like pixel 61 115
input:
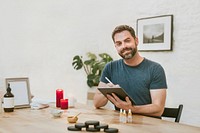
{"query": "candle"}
pixel 64 103
pixel 71 101
pixel 59 95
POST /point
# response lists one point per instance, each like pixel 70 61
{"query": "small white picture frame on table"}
pixel 21 90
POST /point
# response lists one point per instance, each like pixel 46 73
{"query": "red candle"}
pixel 59 95
pixel 64 103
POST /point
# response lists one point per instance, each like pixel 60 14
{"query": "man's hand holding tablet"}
pixel 116 95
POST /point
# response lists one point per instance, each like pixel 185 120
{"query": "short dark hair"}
pixel 121 28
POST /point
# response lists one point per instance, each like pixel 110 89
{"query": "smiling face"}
pixel 125 44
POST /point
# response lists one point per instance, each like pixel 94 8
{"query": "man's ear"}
pixel 136 41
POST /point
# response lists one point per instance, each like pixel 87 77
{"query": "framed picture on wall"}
pixel 155 33
pixel 21 91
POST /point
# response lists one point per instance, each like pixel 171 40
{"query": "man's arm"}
pixel 158 103
pixel 99 99
pixel 154 109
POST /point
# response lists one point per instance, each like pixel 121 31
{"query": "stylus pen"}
pixel 108 80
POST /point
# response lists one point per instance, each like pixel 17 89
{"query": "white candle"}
pixel 72 101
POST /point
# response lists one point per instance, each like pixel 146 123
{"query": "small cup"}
pixel 72 119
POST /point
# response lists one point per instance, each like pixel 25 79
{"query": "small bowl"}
pixel 72 119
pixel 56 112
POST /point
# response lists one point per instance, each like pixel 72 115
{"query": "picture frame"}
pixel 155 33
pixel 21 90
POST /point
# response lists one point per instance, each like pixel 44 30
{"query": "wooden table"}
pixel 41 121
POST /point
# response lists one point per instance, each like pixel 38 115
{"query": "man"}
pixel 142 79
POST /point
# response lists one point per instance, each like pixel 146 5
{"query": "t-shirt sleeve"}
pixel 158 78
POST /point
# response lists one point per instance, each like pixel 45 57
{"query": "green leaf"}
pixel 77 62
pixel 90 83
pixel 105 57
pixel 89 62
pixel 91 56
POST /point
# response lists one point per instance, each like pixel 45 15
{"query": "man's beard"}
pixel 129 55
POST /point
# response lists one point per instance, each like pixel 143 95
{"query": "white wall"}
pixel 38 39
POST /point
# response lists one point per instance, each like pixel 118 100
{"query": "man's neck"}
pixel 136 60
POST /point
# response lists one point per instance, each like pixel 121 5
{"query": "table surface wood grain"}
pixel 41 121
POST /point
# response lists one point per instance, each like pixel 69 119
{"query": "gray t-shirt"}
pixel 137 81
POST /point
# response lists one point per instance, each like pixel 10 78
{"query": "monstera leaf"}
pixel 77 62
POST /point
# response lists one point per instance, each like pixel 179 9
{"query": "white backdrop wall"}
pixel 38 39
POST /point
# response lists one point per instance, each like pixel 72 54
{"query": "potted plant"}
pixel 93 66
